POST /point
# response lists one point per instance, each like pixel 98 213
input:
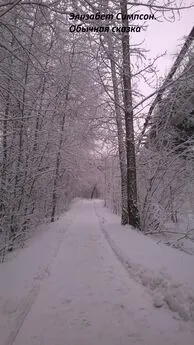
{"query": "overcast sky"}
pixel 166 36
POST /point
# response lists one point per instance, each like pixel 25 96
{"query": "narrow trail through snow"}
pixel 88 298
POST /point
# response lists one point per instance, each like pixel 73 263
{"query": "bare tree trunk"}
pixel 23 156
pixel 120 133
pixel 4 159
pixel 93 191
pixel 58 160
pixel 133 214
pixel 57 170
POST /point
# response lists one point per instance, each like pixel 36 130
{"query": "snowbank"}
pixel 167 273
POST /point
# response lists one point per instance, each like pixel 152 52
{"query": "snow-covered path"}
pixel 88 298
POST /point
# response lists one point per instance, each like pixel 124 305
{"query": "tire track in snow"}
pixel 27 303
pixel 161 288
pixel 24 312
pixel 119 257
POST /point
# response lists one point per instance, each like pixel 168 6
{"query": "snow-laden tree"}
pixel 47 118
pixel 167 158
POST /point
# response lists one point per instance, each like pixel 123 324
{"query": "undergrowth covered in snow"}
pixel 166 273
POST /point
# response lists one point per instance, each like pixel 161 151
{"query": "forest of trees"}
pixel 72 115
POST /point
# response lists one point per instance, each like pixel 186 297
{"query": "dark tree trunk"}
pixel 120 133
pixel 133 214
pixel 93 191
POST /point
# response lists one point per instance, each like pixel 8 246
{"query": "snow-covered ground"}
pixel 167 273
pixel 86 280
pixel 179 235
